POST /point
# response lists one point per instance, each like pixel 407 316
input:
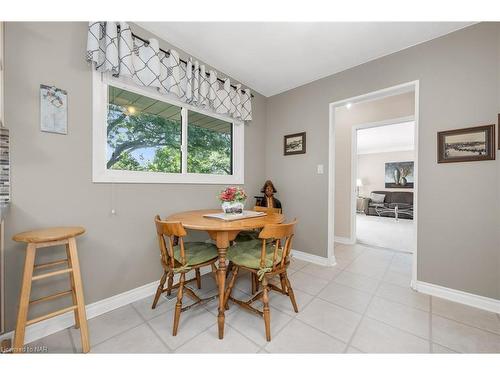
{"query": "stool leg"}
pixel 24 298
pixel 72 282
pixel 82 317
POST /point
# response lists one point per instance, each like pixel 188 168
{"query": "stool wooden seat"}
pixel 43 238
pixel 48 234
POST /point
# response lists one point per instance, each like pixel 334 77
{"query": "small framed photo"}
pixel 53 110
pixel 468 144
pixel 294 144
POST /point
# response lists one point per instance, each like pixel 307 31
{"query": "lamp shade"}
pixel 359 182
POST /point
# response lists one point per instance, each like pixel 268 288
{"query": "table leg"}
pixel 222 245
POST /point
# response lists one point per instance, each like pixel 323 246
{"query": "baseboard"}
pixel 58 323
pixel 345 240
pixel 316 259
pixel 474 300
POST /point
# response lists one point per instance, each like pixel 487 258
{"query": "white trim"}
pixel 316 259
pixel 389 91
pixel 100 173
pixel 469 299
pixel 58 323
pixel 345 240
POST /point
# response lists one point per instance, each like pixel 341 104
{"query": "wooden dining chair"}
pixel 253 235
pixel 179 257
pixel 272 210
pixel 265 258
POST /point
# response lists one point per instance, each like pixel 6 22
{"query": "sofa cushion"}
pixel 377 198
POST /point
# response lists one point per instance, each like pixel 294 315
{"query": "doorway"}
pixel 383 156
pixel 344 194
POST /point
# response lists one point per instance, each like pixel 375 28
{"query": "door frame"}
pixel 354 163
pixel 373 95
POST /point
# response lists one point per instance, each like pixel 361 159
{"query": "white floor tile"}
pixel 400 316
pixel 252 325
pixel 192 322
pixel 108 325
pixel 59 342
pixel 307 283
pixel 463 338
pixel 140 339
pixel 208 342
pixel 283 303
pixel 438 349
pixel 353 350
pixel 357 281
pixel 143 306
pixel 397 278
pixel 466 314
pixel 297 264
pixel 377 337
pixel 345 296
pixel 323 272
pixel 298 337
pixel 334 320
pixel 404 295
pixel 368 268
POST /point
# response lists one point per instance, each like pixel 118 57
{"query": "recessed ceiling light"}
pixel 348 105
pixel 131 110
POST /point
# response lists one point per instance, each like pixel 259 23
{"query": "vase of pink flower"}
pixel 233 200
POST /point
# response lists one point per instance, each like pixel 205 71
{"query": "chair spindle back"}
pixel 282 235
pixel 171 230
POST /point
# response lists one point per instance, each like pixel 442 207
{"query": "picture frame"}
pixel 467 144
pixel 53 110
pixel 294 144
pixel 399 175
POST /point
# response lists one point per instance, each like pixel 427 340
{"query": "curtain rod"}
pixel 168 54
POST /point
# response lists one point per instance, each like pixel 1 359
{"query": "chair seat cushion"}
pixel 196 252
pixel 247 254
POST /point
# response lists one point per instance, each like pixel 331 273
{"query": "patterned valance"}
pixel 111 47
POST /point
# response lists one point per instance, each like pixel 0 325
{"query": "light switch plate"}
pixel 320 169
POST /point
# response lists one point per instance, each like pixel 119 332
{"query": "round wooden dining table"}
pixel 222 232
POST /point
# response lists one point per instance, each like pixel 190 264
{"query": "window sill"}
pixel 137 177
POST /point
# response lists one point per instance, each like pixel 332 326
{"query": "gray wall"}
pixel 458 236
pixel 51 174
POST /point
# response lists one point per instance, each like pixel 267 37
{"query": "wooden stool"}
pixel 45 238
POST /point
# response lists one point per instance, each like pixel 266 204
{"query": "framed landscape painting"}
pixel 294 144
pixel 468 144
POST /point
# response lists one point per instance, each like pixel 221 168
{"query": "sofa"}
pixel 402 199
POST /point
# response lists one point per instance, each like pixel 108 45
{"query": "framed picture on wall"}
pixel 399 175
pixel 294 144
pixel 53 110
pixel 467 144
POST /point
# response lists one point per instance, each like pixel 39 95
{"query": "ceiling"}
pixel 389 138
pixel 272 57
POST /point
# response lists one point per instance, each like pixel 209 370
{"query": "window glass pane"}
pixel 210 143
pixel 143 134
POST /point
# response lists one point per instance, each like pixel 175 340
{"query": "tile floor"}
pixel 364 304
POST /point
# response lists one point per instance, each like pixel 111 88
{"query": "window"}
pixel 143 137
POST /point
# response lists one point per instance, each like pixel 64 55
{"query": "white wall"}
pixel 371 169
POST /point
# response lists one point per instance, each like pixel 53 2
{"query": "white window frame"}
pixel 100 173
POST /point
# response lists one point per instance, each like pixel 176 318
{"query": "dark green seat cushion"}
pixel 196 252
pixel 248 253
pixel 246 235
